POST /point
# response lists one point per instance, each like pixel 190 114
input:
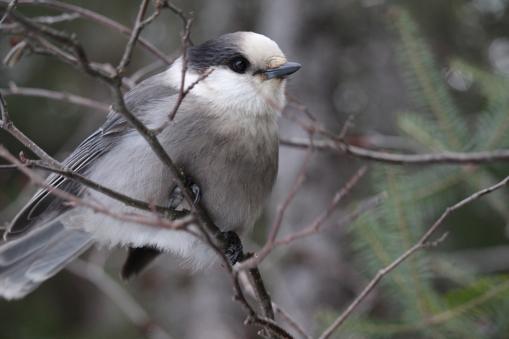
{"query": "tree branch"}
pixel 14 90
pixel 423 242
pixel 98 18
pixel 401 159
pixel 8 10
pixel 167 212
pixel 272 241
pixel 362 208
pixel 139 24
pixel 7 125
pixel 150 220
pixel 63 43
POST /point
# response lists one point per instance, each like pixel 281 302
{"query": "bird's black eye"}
pixel 238 64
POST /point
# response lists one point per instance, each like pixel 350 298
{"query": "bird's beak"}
pixel 282 71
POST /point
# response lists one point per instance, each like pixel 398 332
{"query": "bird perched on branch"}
pixel 224 136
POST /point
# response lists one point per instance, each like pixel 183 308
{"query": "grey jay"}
pixel 224 137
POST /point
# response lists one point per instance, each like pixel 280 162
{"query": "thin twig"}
pixel 216 242
pixel 313 228
pixel 8 10
pixel 178 12
pixel 362 208
pixel 185 63
pixel 96 17
pixel 253 317
pixel 256 258
pixel 148 220
pixel 56 167
pixel 401 159
pixel 423 242
pixel 248 284
pixel 58 46
pixel 180 98
pixel 47 19
pixel 316 225
pixel 139 24
pixel 167 212
pixel 14 90
pixel 261 294
pixel 292 322
pixel 7 125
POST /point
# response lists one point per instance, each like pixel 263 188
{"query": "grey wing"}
pixel 39 244
pixel 44 206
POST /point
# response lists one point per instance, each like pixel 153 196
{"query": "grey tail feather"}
pixel 28 261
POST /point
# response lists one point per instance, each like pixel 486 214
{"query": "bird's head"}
pixel 242 72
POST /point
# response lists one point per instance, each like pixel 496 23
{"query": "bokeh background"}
pixel 416 76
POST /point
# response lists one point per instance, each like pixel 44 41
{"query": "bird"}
pixel 224 137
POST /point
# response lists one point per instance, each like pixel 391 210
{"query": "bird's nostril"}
pixel 276 61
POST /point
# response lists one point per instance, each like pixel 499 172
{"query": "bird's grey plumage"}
pixel 224 137
pixel 44 204
pixel 82 159
pixel 38 245
pixel 28 261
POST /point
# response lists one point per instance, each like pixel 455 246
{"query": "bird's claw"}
pixel 232 246
pixel 196 193
pixel 177 197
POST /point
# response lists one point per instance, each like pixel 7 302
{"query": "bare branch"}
pixel 14 90
pixel 184 92
pixel 168 213
pixel 7 125
pixel 256 258
pixel 4 113
pixel 148 220
pixel 316 225
pixel 48 20
pixel 253 317
pixel 178 12
pixel 8 10
pixel 185 61
pixel 299 180
pixel 292 322
pixel 249 285
pixel 180 98
pixel 423 242
pixel 272 242
pixel 401 159
pixel 114 82
pixel 98 18
pixel 139 24
pixel 56 167
pixel 261 293
pixel 361 208
pixel 68 49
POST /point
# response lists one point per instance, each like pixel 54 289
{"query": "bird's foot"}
pixel 196 193
pixel 232 246
pixel 177 197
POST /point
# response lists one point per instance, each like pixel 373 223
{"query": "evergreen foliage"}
pixel 420 300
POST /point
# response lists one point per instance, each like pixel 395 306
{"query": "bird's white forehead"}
pixel 261 49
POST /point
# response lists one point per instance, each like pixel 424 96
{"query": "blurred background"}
pixel 415 76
